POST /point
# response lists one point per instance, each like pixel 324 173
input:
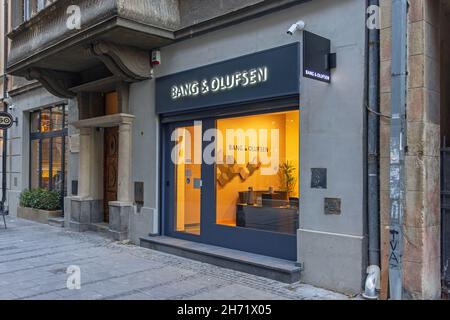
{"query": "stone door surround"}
pixel 124 122
pixel 84 208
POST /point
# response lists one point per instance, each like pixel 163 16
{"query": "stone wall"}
pixel 421 260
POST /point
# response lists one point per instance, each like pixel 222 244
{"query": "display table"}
pixel 283 219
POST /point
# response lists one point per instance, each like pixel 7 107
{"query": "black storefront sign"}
pixel 317 57
pixel 6 120
pixel 256 77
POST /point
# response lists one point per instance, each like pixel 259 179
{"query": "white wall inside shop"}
pixel 332 127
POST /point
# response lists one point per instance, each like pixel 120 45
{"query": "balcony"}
pixel 114 37
pixel 109 31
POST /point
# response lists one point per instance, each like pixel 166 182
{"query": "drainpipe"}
pixel 373 183
pixel 398 145
pixel 5 92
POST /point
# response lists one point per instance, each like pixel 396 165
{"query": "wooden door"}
pixel 111 154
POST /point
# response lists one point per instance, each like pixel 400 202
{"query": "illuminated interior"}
pixel 187 177
pixel 248 194
pixel 48 161
pixel 257 184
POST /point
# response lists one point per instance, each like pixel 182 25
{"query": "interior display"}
pixel 288 177
pixel 283 220
pixel 226 172
pixel 263 192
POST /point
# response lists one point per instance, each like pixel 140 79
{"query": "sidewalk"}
pixel 34 259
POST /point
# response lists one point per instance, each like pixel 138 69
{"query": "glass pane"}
pixel 35 121
pixel 57 165
pixel 45 163
pixel 111 103
pixel 57 118
pixel 257 172
pixel 66 164
pixel 45 120
pixel 188 176
pixel 34 160
pixel 66 118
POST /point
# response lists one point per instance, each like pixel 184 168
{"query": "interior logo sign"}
pixel 6 120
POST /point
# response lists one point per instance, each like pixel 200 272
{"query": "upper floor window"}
pixel 31 7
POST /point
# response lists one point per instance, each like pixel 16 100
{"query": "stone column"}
pixel 80 211
pixel 120 210
pixel 124 166
pixel 84 170
pixel 421 252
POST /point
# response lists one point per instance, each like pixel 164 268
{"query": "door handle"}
pixel 198 183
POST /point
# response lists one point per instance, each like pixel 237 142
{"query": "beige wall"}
pixel 421 259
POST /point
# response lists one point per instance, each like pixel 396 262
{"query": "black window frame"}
pixel 40 136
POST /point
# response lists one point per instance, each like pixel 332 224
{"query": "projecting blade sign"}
pixel 317 57
pixel 6 120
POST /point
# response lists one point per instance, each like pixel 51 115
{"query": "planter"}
pixel 36 215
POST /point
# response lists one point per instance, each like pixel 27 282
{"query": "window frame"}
pixel 31 7
pixel 278 245
pixel 52 135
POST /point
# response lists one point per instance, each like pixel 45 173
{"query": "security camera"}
pixel 298 26
pixel 8 101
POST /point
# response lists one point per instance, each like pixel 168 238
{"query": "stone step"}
pixel 263 266
pixel 56 221
pixel 99 227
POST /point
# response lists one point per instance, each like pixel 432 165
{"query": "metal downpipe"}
pixel 373 147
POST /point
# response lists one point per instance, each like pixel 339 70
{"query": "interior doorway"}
pixel 111 155
pixel 111 160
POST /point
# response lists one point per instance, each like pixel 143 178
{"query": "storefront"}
pixel 48 149
pixel 231 152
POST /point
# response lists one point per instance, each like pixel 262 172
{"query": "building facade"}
pixel 133 112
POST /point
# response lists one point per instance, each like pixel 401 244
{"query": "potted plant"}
pixel 39 205
pixel 288 179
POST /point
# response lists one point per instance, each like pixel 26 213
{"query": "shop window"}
pixel 45 120
pixel 48 152
pixel 34 164
pixel 45 163
pixel 257 172
pixel 35 121
pixel 57 115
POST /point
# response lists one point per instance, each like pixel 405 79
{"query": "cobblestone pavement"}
pixel 34 259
